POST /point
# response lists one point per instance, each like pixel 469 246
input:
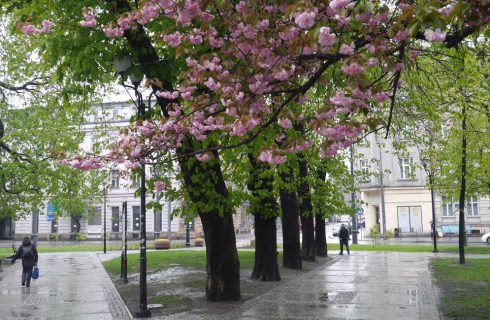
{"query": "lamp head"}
pixel 425 162
pixel 122 64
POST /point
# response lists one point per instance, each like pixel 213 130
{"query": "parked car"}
pixel 486 238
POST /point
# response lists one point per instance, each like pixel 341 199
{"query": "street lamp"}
pixel 105 215
pixel 430 173
pixel 122 66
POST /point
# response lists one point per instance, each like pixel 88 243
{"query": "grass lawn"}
pixel 159 260
pixel 84 248
pixel 409 248
pixel 464 289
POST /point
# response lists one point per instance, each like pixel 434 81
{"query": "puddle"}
pixel 339 297
pixel 413 298
pixel 167 275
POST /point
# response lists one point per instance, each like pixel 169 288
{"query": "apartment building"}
pixel 400 197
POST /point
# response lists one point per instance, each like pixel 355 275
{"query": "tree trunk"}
pixel 305 209
pixel 290 224
pixel 320 237
pixel 462 228
pixel 203 181
pixel 264 209
pixel 266 267
pixel 205 185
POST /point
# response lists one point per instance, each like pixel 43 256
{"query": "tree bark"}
pixel 205 184
pixel 305 209
pixel 266 267
pixel 290 224
pixel 264 208
pixel 462 228
pixel 320 237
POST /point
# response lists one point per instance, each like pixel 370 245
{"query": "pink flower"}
pixel 372 62
pixel 113 32
pixel 241 7
pixel 347 49
pixel 282 75
pixel 88 24
pixel 341 100
pixel 173 39
pixel 285 123
pixel 337 5
pixel 206 17
pixel 435 36
pixel 167 94
pixel 413 54
pixel 382 96
pixel 203 157
pixel 401 35
pixel 325 38
pixel 352 69
pixel 195 39
pixel 212 85
pixel 160 186
pixel 305 20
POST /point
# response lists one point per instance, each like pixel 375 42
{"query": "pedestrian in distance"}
pixel 28 253
pixel 344 239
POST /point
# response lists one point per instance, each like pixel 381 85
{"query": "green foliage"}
pixel 374 232
pixel 80 236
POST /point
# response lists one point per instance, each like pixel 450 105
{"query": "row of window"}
pixel 450 208
pixel 96 218
pixel 406 172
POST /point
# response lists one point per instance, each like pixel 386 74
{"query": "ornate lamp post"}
pixel 122 66
pixel 430 173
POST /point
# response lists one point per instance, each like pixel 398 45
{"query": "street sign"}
pixel 51 211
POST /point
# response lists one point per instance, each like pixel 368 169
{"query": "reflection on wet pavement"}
pixel 364 285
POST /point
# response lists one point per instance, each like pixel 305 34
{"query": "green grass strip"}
pixel 464 288
pixel 160 260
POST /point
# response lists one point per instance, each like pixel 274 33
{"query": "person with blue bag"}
pixel 28 253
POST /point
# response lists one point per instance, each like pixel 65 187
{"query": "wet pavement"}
pixel 70 286
pixel 363 285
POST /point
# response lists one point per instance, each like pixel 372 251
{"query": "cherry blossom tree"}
pixel 224 73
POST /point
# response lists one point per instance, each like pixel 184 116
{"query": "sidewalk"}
pixel 70 286
pixel 363 285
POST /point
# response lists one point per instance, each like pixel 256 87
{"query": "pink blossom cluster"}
pixel 90 163
pixel 31 29
pixel 272 157
pixel 160 186
pixel 435 35
pixel 262 54
pixel 90 18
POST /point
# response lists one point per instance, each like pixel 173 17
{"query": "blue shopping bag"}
pixel 35 273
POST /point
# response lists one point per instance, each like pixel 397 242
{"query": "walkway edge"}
pixel 113 290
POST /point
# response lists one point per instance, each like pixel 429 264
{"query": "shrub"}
pixel 54 236
pixel 80 236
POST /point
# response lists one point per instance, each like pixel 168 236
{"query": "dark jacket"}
pixel 29 261
pixel 344 234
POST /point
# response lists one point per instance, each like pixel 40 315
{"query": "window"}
pixel 472 207
pixel 115 219
pixel 448 207
pixel 406 168
pixel 364 166
pixel 95 217
pixel 136 218
pixel 135 181
pixel 115 179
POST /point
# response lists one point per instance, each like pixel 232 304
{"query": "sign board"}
pixel 51 211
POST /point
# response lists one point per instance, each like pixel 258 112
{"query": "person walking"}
pixel 28 253
pixel 344 239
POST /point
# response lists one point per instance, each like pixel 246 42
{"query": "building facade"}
pixel 105 123
pixel 401 191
